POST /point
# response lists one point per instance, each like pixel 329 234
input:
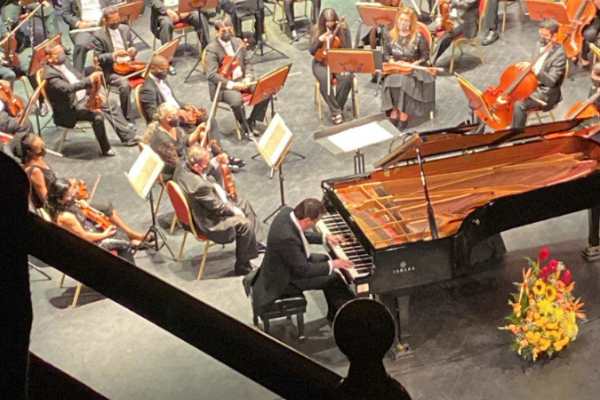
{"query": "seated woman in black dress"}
pixel 411 94
pixel 32 151
pixel 63 210
pixel 320 34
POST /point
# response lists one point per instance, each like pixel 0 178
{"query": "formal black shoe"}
pixel 109 153
pixel 172 70
pixel 132 127
pixel 132 142
pixel 402 125
pixel 261 247
pixel 490 38
pixel 42 109
pixel 237 161
pixel 234 168
pixel 243 268
pixel 67 50
pixel 375 78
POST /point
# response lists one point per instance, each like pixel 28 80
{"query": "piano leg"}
pixel 398 306
pixel 592 252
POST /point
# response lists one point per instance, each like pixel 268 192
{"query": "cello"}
pixel 581 13
pixel 585 109
pixel 515 85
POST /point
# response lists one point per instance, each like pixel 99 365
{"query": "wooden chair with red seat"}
pixel 184 215
pixel 462 41
pixel 353 94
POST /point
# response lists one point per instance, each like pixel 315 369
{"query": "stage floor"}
pixel 459 352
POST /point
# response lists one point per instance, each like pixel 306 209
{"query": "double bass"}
pixel 580 13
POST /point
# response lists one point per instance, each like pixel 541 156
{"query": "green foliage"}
pixel 514 319
pixel 514 346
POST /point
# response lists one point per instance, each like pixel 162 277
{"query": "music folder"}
pixel 270 84
pixel 373 14
pixel 475 98
pixel 38 57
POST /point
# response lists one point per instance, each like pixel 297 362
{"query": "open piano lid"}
pixel 452 140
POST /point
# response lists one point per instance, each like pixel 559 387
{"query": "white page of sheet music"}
pixel 359 137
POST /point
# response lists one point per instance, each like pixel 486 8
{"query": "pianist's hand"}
pixel 335 240
pixel 342 264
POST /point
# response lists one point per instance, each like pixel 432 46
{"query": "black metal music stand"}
pixel 259 11
pixel 129 12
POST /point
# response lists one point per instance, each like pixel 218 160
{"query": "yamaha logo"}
pixel 403 268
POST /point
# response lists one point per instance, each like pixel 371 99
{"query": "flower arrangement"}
pixel 545 312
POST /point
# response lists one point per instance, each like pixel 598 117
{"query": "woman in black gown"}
pixel 411 94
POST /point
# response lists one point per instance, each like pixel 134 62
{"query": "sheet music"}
pixel 145 171
pixel 275 140
pixel 360 136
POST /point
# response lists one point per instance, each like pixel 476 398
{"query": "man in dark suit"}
pixel 466 24
pixel 231 89
pixel 214 216
pixel 66 89
pixel 550 72
pixel 164 17
pixel 289 267
pixel 83 17
pixel 111 43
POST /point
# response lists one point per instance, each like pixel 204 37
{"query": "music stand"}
pixel 476 102
pixel 167 50
pixel 351 61
pixel 260 44
pixel 541 9
pixel 273 147
pixel 142 176
pixel 129 12
pixel 377 16
pixel 267 87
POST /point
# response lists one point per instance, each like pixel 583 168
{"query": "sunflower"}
pixel 539 287
pixel 550 292
pixel 546 307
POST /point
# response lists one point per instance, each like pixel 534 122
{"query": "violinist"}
pixel 32 151
pixel 112 44
pixel 409 94
pixel 216 216
pixel 9 122
pixel 330 31
pixel 591 35
pixel 464 24
pixel 12 10
pixel 66 89
pixel 550 73
pixel 63 209
pixel 239 77
pixel 288 5
pixel 170 142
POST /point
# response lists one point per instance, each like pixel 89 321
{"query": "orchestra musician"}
pixel 290 14
pixel 411 94
pixel 238 9
pixel 63 209
pixel 550 73
pixel 9 123
pixel 12 10
pixel 322 33
pixel 112 44
pixel 289 268
pixel 164 16
pixel 32 151
pixel 465 24
pixel 214 215
pixel 83 14
pixel 66 89
pixel 591 35
pixel 225 44
pixel 490 22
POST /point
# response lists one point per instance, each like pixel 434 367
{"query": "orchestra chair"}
pixel 182 28
pixel 283 20
pixel 508 3
pixel 80 125
pixel 540 114
pixel 286 306
pixel 353 95
pixel 461 41
pixel 184 215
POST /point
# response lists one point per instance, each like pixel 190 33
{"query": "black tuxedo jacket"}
pixel 62 95
pixel 72 11
pixel 104 49
pixel 151 98
pixel 285 260
pixel 551 76
pixel 214 56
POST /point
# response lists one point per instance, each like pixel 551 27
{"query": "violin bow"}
pixel 93 189
pixel 213 110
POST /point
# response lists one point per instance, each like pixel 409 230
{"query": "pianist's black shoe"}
pixel 237 161
pixel 172 70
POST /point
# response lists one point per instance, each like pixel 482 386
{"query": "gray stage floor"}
pixel 460 353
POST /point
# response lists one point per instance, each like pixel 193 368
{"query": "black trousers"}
pixel 235 100
pixel 490 19
pixel 344 85
pixel 446 40
pixel 124 89
pixel 82 43
pixel 196 19
pixel 9 124
pixel 290 13
pixel 333 286
pixel 590 34
pixel 247 230
pixel 520 112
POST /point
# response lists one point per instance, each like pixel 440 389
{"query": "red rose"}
pixel 553 266
pixel 566 278
pixel 543 254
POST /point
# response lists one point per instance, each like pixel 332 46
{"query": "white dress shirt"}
pixel 91 12
pixel 165 91
pixel 237 73
pixel 118 44
pixel 305 242
pixel 71 78
pixel 538 65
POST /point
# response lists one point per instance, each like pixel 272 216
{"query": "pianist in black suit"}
pixel 289 268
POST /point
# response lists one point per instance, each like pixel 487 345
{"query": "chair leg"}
pixel 62 281
pixel 318 99
pixel 77 292
pixel 203 263
pixel 452 57
pixel 237 128
pixel 267 326
pixel 504 16
pixel 154 44
pixel 173 223
pixel 355 104
pixel 182 245
pixel 162 190
pixel 551 116
pixel 300 322
pixel 478 50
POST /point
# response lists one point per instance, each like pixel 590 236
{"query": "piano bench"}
pixel 284 307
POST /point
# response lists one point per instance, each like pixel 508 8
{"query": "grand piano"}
pixel 478 185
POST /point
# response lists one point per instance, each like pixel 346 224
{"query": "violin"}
pixel 82 190
pixel 333 42
pixel 406 68
pixel 128 67
pixel 230 63
pixel 95 97
pixel 585 109
pixel 444 10
pixel 14 104
pixel 9 43
pixel 515 85
pixel 100 220
pixel 228 179
pixel 193 115
pixel 580 13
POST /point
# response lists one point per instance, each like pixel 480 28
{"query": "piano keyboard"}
pixel 334 224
